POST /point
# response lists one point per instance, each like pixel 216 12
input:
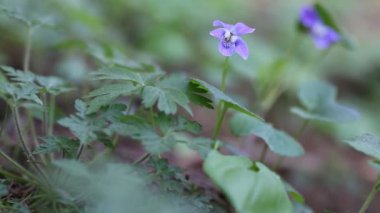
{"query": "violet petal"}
pixel 242 29
pixel 242 49
pixel 226 49
pixel 218 23
pixel 218 33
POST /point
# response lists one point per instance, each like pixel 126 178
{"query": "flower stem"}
pixel 225 72
pixel 371 196
pixel 222 109
pixel 218 126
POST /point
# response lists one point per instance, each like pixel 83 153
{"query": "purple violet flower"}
pixel 230 40
pixel 324 36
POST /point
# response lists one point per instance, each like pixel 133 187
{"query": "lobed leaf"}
pixel 278 141
pixel 55 144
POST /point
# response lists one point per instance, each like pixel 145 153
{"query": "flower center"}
pixel 320 29
pixel 229 39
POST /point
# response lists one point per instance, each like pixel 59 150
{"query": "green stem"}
pixel 79 151
pixel 18 166
pixel 33 134
pixel 222 109
pixel 4 120
pixel 225 72
pixel 51 115
pixel 24 146
pixel 28 48
pixel 45 114
pixel 141 159
pixel 219 122
pixel 371 196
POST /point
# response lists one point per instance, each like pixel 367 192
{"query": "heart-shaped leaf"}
pixel 250 187
pixel 367 144
pixel 319 101
pixel 278 141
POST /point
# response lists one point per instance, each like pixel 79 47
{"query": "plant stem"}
pixel 24 146
pixel 51 115
pixel 79 151
pixel 28 47
pixel 141 159
pixel 371 196
pixel 18 166
pixel 225 72
pixel 222 109
pixel 4 120
pixel 219 122
pixel 45 114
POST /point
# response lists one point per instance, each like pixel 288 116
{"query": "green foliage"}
pixel 319 101
pixel 57 144
pixel 198 89
pixel 153 87
pixel 26 86
pixel 278 141
pixel 166 132
pixel 90 127
pixel 250 187
pixel 367 144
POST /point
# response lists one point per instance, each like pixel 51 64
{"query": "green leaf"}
pixel 55 144
pixel 278 141
pixel 53 85
pixel 116 73
pixel 201 145
pixel 82 128
pixel 166 98
pixel 367 144
pixel 319 101
pixel 18 75
pixel 199 88
pixel 106 94
pixel 168 132
pixel 248 190
pixel 294 194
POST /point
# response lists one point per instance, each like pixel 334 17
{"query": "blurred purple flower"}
pixel 230 38
pixel 324 36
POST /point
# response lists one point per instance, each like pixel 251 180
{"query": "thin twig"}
pixel 141 159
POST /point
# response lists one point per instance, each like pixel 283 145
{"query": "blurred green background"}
pixel 175 35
